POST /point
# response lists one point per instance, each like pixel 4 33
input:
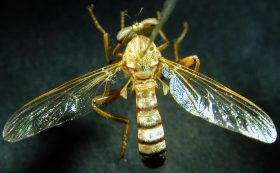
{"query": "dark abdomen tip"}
pixel 154 160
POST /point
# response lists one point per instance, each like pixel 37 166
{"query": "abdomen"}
pixel 151 141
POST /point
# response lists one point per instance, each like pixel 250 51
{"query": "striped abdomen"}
pixel 151 140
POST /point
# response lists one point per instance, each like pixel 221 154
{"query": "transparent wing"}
pixel 206 98
pixel 66 102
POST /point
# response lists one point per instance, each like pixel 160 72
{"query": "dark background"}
pixel 46 43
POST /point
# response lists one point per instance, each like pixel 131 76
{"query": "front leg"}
pixel 102 31
pixel 164 45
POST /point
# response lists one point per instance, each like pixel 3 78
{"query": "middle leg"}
pixel 191 61
pixel 186 61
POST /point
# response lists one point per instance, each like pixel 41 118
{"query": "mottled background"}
pixel 46 43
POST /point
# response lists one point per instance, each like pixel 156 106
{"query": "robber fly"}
pixel 145 68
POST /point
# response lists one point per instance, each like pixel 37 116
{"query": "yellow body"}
pixel 150 130
pixel 141 57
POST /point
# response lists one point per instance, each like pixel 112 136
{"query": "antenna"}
pixel 140 11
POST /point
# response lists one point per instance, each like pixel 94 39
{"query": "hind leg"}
pixel 98 101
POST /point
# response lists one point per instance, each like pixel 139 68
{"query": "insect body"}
pixel 144 69
pixel 144 65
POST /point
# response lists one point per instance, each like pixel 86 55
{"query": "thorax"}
pixel 141 57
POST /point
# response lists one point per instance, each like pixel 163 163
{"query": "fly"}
pixel 145 67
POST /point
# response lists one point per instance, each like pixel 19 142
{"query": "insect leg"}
pixel 187 61
pixel 99 100
pixel 166 43
pixel 118 46
pixel 107 97
pixel 116 51
pixel 100 29
pixel 191 61
pixel 179 40
pixel 123 14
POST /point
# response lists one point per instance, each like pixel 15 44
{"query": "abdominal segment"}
pixel 151 141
